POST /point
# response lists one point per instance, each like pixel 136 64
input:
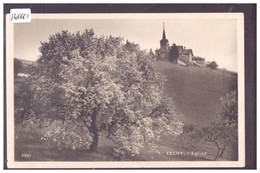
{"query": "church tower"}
pixel 164 45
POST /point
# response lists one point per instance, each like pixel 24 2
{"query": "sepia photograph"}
pixel 125 90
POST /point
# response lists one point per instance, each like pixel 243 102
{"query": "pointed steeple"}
pixel 164 36
pixel 164 44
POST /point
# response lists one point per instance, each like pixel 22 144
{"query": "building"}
pixel 186 55
pixel 177 54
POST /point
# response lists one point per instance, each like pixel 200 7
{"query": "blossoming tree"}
pixel 85 86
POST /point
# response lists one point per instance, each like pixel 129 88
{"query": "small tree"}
pixel 219 135
pixel 213 65
pixel 221 132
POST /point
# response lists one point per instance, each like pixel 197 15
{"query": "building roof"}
pixel 186 52
pixel 131 46
pixel 180 48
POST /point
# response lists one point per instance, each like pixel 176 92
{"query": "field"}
pixel 196 92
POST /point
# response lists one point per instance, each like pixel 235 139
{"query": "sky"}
pixel 212 39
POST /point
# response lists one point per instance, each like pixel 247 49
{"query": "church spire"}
pixel 164 36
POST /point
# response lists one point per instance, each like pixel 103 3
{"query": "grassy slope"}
pixel 196 90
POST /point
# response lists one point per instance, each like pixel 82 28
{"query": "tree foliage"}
pixel 229 109
pixel 84 86
pixel 213 65
pixel 198 59
pixel 152 55
pixel 174 53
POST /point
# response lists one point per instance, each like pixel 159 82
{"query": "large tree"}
pixel 85 86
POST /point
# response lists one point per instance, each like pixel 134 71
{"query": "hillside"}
pixel 196 90
pixel 24 63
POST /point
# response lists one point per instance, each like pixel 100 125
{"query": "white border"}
pixel 144 164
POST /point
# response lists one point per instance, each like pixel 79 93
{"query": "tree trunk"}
pixel 109 129
pixel 94 145
pixel 222 151
pixel 217 155
pixel 94 131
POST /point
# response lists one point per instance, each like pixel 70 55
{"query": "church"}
pixel 175 54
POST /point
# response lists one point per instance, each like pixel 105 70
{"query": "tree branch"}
pixel 89 129
pixel 41 126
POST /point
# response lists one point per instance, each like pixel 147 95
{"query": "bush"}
pixel 213 65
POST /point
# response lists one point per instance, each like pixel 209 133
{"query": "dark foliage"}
pixel 213 65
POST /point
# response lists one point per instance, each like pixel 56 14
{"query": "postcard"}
pixel 125 90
